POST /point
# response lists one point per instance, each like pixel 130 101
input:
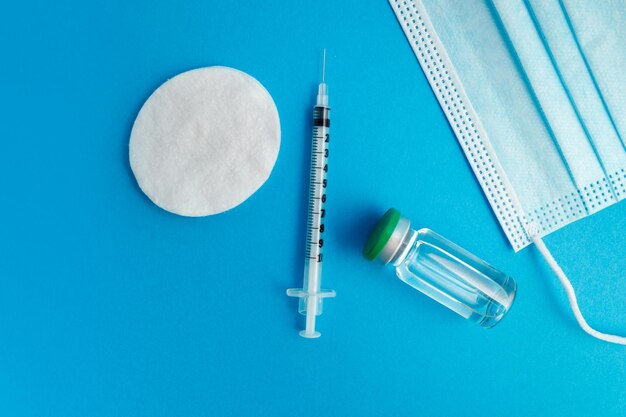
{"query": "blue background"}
pixel 110 306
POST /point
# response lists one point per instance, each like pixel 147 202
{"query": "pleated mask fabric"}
pixel 535 91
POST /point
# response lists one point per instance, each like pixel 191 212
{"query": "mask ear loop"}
pixel 571 295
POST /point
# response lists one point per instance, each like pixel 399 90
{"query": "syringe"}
pixel 310 294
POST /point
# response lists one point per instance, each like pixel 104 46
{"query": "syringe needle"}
pixel 324 66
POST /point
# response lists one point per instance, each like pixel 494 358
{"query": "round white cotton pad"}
pixel 205 141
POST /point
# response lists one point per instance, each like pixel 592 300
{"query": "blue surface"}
pixel 110 306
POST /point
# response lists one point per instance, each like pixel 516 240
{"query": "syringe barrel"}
pixel 321 117
pixel 316 215
pixel 312 284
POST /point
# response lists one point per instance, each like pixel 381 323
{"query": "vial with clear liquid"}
pixel 442 270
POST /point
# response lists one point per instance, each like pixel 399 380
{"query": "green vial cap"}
pixel 381 234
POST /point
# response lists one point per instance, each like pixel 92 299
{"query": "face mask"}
pixel 535 92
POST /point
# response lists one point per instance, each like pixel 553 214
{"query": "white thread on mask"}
pixel 462 117
pixel 569 289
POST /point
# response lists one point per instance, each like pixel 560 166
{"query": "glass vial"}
pixel 442 270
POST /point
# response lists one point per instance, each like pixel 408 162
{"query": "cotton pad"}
pixel 205 141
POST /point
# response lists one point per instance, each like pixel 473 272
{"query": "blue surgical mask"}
pixel 535 92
